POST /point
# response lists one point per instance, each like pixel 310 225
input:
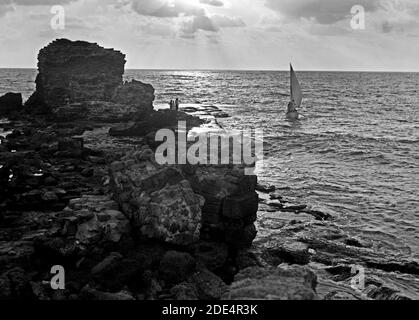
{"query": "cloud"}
pixel 323 11
pixel 166 9
pixel 227 22
pixel 215 3
pixel 9 5
pixel 35 2
pixel 399 17
pixel 211 24
pixel 197 23
pixel 158 28
pixel 4 9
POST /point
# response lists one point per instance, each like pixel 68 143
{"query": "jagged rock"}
pixel 208 285
pixel 158 200
pixel 231 203
pixel 176 267
pixel 10 103
pixel 136 94
pixel 203 285
pixel 152 122
pixel 280 283
pixel 184 291
pixel 293 252
pixel 76 71
pixel 97 218
pixel 265 188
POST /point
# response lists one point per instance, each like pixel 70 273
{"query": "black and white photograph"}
pixel 220 151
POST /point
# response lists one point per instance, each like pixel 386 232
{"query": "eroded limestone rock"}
pixel 280 283
pixel 158 200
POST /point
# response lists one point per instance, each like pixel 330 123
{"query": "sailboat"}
pixel 296 97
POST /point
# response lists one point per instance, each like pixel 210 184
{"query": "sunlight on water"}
pixel 354 153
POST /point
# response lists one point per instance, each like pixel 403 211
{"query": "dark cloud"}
pixel 399 26
pixel 215 3
pixel 323 11
pixel 211 24
pixel 199 23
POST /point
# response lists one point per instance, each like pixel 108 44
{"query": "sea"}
pixel 353 154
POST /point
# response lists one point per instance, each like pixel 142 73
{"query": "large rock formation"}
pixel 77 71
pixel 77 79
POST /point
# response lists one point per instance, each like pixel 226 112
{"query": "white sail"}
pixel 296 93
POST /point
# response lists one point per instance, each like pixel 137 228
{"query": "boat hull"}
pixel 293 116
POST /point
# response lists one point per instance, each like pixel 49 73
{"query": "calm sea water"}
pixel 355 154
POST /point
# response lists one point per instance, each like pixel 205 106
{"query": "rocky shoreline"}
pixel 81 189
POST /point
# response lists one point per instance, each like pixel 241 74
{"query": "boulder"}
pixel 10 103
pixel 208 285
pixel 231 203
pixel 157 199
pixel 96 218
pixel 281 283
pixel 202 285
pixel 136 94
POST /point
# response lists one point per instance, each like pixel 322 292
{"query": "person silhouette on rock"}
pixel 177 104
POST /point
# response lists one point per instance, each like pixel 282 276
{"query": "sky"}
pixel 222 34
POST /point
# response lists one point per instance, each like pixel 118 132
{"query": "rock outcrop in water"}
pixel 81 80
pixel 77 71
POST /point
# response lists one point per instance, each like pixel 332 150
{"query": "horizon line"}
pixel 243 70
